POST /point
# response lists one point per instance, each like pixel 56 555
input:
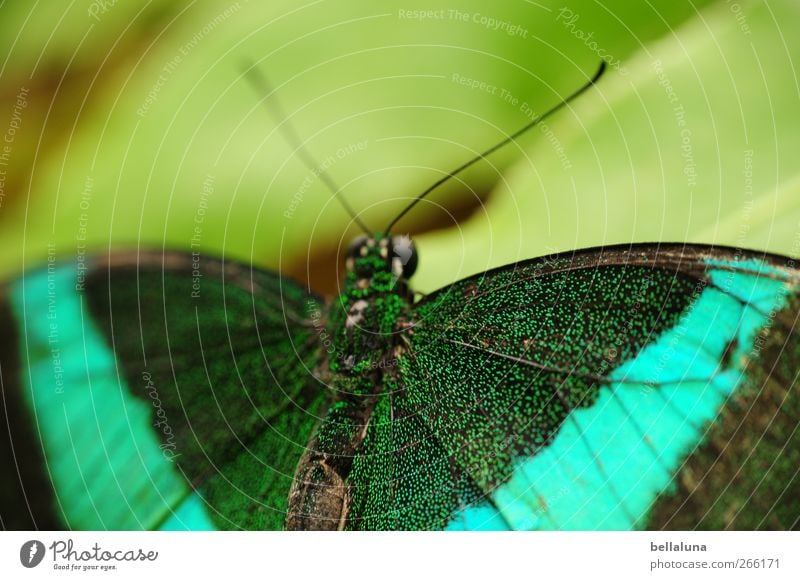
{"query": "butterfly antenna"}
pixel 260 83
pixel 499 145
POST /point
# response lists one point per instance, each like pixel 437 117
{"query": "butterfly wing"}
pixel 166 391
pixel 616 388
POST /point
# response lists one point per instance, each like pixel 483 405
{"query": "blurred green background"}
pixel 131 125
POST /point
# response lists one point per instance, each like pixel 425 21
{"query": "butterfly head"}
pixel 369 255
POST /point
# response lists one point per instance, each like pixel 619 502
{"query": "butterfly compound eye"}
pixel 404 256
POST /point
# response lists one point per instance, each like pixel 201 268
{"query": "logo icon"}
pixel 31 553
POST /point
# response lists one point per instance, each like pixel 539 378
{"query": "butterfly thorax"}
pixel 366 325
pixel 367 319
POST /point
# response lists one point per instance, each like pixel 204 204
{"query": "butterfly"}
pixel 625 387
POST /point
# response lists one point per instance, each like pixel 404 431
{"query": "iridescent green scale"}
pixel 616 388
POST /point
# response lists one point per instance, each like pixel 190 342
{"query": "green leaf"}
pixel 160 141
pixel 695 144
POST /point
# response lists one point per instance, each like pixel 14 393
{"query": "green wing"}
pixel 617 388
pixel 165 391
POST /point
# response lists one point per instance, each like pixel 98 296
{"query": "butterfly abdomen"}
pixel 365 324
